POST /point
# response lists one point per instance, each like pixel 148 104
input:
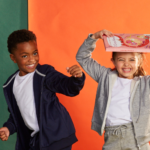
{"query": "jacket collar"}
pixel 10 79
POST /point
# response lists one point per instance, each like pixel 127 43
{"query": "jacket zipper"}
pixel 111 84
pixel 131 100
pixel 40 135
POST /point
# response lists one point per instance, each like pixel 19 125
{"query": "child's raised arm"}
pixel 99 34
pixel 84 55
pixel 60 83
pixel 75 71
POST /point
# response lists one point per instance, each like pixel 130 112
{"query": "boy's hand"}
pixel 4 133
pixel 100 34
pixel 75 71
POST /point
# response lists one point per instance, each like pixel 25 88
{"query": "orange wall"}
pixel 61 26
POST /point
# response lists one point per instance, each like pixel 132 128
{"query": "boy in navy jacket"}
pixel 41 122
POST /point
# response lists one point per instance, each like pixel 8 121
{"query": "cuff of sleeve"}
pixel 90 41
pixel 10 127
pixel 81 79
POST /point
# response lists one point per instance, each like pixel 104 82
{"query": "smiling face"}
pixel 26 56
pixel 126 64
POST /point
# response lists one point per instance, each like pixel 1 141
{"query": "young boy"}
pixel 41 122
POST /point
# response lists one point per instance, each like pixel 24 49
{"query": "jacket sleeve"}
pixel 59 83
pixel 10 125
pixel 83 57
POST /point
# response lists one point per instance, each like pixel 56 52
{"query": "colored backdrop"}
pixel 62 26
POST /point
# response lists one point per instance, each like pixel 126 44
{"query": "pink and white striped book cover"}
pixel 128 43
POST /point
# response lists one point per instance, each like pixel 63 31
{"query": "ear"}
pixel 13 58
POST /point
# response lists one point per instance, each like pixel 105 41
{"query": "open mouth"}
pixel 126 70
pixel 31 66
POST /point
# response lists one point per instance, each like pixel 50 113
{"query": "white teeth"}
pixel 31 65
pixel 126 69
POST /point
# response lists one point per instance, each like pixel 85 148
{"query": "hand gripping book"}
pixel 127 43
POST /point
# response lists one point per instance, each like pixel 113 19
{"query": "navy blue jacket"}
pixel 56 127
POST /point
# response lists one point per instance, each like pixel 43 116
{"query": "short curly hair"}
pixel 19 36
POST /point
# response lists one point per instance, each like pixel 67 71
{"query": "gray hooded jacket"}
pixel 139 98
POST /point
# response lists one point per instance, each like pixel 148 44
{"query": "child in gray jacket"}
pixel 122 106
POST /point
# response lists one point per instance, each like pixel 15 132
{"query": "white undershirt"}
pixel 23 92
pixel 119 112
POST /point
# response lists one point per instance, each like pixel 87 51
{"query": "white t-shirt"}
pixel 119 108
pixel 23 92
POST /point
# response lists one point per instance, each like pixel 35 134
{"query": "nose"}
pixel 31 59
pixel 126 63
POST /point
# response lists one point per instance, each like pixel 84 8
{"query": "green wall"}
pixel 13 16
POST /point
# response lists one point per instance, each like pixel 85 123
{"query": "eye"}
pixel 120 59
pixel 132 60
pixel 35 53
pixel 24 56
